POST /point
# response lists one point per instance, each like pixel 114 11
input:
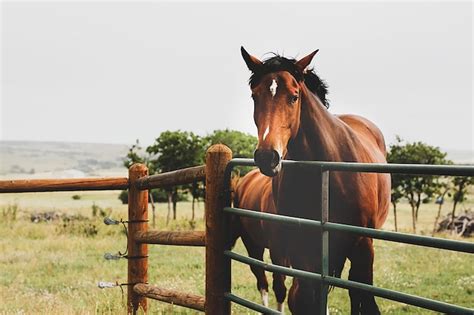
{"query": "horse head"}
pixel 276 86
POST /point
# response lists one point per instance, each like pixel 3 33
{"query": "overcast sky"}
pixel 113 72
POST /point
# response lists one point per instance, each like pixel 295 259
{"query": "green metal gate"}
pixel 325 227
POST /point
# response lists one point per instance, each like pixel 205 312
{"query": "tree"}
pixel 446 187
pixel 242 144
pixel 460 190
pixel 174 150
pixel 134 155
pixel 416 188
pixel 197 192
pixel 396 196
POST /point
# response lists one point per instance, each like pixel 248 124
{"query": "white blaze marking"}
pixel 273 88
pixel 265 134
pixel 264 295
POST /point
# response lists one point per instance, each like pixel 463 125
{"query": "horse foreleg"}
pixel 303 298
pixel 256 251
pixel 279 279
pixel 362 260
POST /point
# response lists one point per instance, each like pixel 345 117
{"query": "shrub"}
pixel 123 197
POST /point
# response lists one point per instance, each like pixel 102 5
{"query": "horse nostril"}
pixel 275 159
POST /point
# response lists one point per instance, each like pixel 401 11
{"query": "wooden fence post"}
pixel 217 265
pixel 137 252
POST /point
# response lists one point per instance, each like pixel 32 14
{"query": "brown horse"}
pixel 254 192
pixel 290 112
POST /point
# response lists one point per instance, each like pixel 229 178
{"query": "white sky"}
pixel 113 72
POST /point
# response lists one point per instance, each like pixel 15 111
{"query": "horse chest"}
pixel 298 193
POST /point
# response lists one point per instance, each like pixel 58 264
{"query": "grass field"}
pixel 54 267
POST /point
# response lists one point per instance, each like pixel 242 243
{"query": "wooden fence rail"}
pixel 188 300
pixel 181 238
pixel 70 184
pixel 173 178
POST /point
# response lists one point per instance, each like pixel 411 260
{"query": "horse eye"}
pixel 294 98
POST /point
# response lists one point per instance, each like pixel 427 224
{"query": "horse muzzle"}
pixel 268 161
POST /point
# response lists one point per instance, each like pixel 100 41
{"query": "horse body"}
pixel 254 192
pixel 355 198
pixel 293 123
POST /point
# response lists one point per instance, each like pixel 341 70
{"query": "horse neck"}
pixel 321 135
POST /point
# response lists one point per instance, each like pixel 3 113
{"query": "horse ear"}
pixel 305 61
pixel 252 62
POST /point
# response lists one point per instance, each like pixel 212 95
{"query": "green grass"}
pixel 47 269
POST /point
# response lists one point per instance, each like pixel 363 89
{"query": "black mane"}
pixel 280 63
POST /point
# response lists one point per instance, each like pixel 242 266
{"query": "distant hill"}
pixel 60 159
pixel 30 159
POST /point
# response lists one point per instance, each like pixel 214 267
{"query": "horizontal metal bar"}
pixel 173 178
pixel 249 304
pixel 420 240
pixel 414 300
pixel 66 184
pixel 241 162
pixel 176 238
pixel 273 268
pixel 273 217
pixel 347 284
pixel 419 169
